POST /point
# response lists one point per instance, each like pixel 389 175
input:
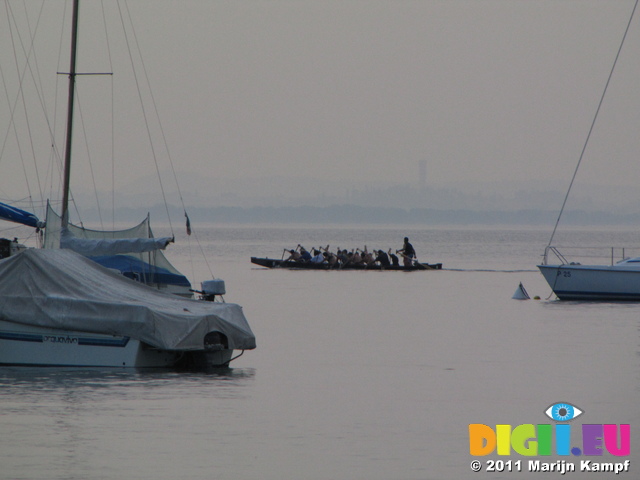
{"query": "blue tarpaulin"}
pixel 136 269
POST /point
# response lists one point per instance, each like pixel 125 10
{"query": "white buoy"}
pixel 521 293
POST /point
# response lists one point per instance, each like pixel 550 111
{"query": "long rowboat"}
pixel 274 263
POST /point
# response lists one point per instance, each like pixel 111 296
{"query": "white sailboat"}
pixel 71 303
pixel 575 281
pixel 572 280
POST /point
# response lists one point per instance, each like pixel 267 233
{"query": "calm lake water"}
pixel 357 375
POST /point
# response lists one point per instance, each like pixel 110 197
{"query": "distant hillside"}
pixel 352 214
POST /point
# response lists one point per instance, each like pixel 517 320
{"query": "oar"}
pixel 416 264
pixel 420 266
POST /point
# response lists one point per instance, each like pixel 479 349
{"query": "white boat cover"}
pixel 61 289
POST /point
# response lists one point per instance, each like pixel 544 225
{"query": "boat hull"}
pixel 593 282
pixel 34 346
pixel 274 263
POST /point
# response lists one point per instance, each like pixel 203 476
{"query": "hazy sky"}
pixel 363 91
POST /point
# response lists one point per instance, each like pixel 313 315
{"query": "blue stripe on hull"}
pixel 569 295
pixel 21 337
pixel 104 342
pixel 69 339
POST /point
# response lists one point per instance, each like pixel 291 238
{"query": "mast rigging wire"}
pixel 20 96
pixel 595 117
pixel 162 134
pixel 144 114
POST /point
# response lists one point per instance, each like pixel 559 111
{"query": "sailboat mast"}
pixel 72 85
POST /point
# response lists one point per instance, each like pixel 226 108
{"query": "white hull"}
pixel 35 346
pixel 594 282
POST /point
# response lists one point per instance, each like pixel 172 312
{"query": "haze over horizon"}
pixel 287 100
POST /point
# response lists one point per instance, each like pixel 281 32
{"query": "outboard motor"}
pixel 211 288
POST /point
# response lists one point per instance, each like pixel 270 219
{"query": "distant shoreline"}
pixel 358 215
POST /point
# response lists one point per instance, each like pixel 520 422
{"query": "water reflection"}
pixel 72 423
pixel 31 383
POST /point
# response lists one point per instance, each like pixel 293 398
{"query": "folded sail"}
pixel 111 246
pixel 13 214
pixel 147 265
pixel 54 231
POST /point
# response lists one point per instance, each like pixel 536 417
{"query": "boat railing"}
pixel 588 255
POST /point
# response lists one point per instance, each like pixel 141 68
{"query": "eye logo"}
pixel 531 440
pixel 563 412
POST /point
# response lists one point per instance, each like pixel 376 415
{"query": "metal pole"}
pixel 72 81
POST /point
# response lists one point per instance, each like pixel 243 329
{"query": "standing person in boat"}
pixel 408 253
